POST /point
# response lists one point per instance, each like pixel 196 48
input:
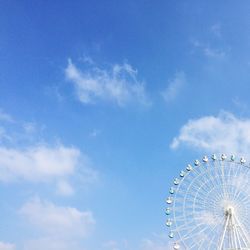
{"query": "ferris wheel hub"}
pixel 229 211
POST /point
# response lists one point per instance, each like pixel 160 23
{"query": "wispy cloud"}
pixel 153 242
pixel 17 132
pixel 222 133
pixel 115 245
pixel 95 133
pixel 59 227
pixel 4 135
pixel 216 30
pixel 209 51
pixel 156 242
pixel 51 244
pixel 241 105
pixel 64 188
pixel 34 162
pixel 30 127
pixel 174 87
pixel 118 84
pixel 5 117
pixel 7 246
pixel 214 53
pixel 56 220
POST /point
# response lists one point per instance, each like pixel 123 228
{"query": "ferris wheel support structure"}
pixel 236 233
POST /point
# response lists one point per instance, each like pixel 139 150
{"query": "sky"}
pixel 102 104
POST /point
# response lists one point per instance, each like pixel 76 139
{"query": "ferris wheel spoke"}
pixel 218 172
pixel 237 193
pixel 243 200
pixel 189 233
pixel 242 230
pixel 237 178
pixel 238 240
pixel 207 173
pixel 198 234
pixel 198 175
pixel 214 234
pixel 191 194
pixel 205 237
pixel 188 199
pixel 193 228
pixel 239 190
pixel 195 219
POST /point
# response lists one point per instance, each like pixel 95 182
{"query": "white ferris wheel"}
pixel 208 207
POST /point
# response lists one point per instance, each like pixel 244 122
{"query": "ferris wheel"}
pixel 208 207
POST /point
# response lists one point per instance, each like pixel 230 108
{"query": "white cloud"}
pixel 58 221
pixel 47 164
pixel 154 242
pixel 174 87
pixel 2 132
pixel 51 244
pixel 37 163
pixel 60 227
pixel 5 117
pixel 16 132
pixel 116 245
pixel 56 165
pixel 7 246
pixel 157 242
pixel 119 84
pixel 64 188
pixel 30 127
pixel 95 133
pixel 222 133
pixel 216 29
pixel 148 244
pixel 214 53
pixel 240 105
pixel 111 245
pixel 208 51
pixel 4 136
pixel 87 59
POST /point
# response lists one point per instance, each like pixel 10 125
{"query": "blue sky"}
pixel 102 103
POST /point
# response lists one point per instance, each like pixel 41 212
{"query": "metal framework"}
pixel 234 232
pixel 209 205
